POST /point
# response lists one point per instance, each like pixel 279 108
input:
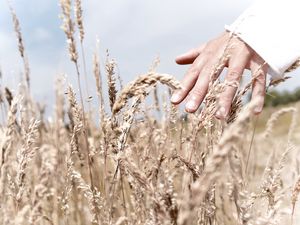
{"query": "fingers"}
pixel 190 56
pixel 196 81
pixel 189 80
pixel 236 67
pixel 259 73
pixel 199 91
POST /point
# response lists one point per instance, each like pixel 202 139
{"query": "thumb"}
pixel 190 56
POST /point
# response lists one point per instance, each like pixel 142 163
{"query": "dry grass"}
pixel 134 167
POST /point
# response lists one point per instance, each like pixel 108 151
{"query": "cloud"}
pixel 40 34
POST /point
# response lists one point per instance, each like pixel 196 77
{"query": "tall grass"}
pixel 134 167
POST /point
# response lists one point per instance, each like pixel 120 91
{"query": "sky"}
pixel 135 33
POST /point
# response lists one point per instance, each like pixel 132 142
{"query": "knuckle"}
pixel 259 90
pixel 233 75
pixel 246 49
pixel 248 52
pixel 226 99
pixel 193 71
pixel 260 81
pixel 207 70
pixel 261 78
pixel 197 91
pixel 208 51
pixel 184 88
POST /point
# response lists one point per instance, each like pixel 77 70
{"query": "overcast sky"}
pixel 134 31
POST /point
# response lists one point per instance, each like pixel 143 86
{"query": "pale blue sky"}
pixel 134 31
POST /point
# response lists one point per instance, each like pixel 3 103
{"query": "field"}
pixel 131 160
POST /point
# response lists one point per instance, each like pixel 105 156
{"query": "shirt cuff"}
pixel 269 28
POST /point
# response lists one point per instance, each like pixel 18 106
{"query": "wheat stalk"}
pixel 140 85
pixel 21 45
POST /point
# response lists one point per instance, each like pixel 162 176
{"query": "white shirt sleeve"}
pixel 272 29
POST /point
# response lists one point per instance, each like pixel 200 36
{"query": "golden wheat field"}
pixel 133 161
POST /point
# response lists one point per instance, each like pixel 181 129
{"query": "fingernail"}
pixel 175 97
pixel 257 109
pixel 259 105
pixel 191 105
pixel 221 113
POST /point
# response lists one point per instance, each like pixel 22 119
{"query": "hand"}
pixel 204 58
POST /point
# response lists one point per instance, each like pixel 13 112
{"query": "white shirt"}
pixel 272 29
